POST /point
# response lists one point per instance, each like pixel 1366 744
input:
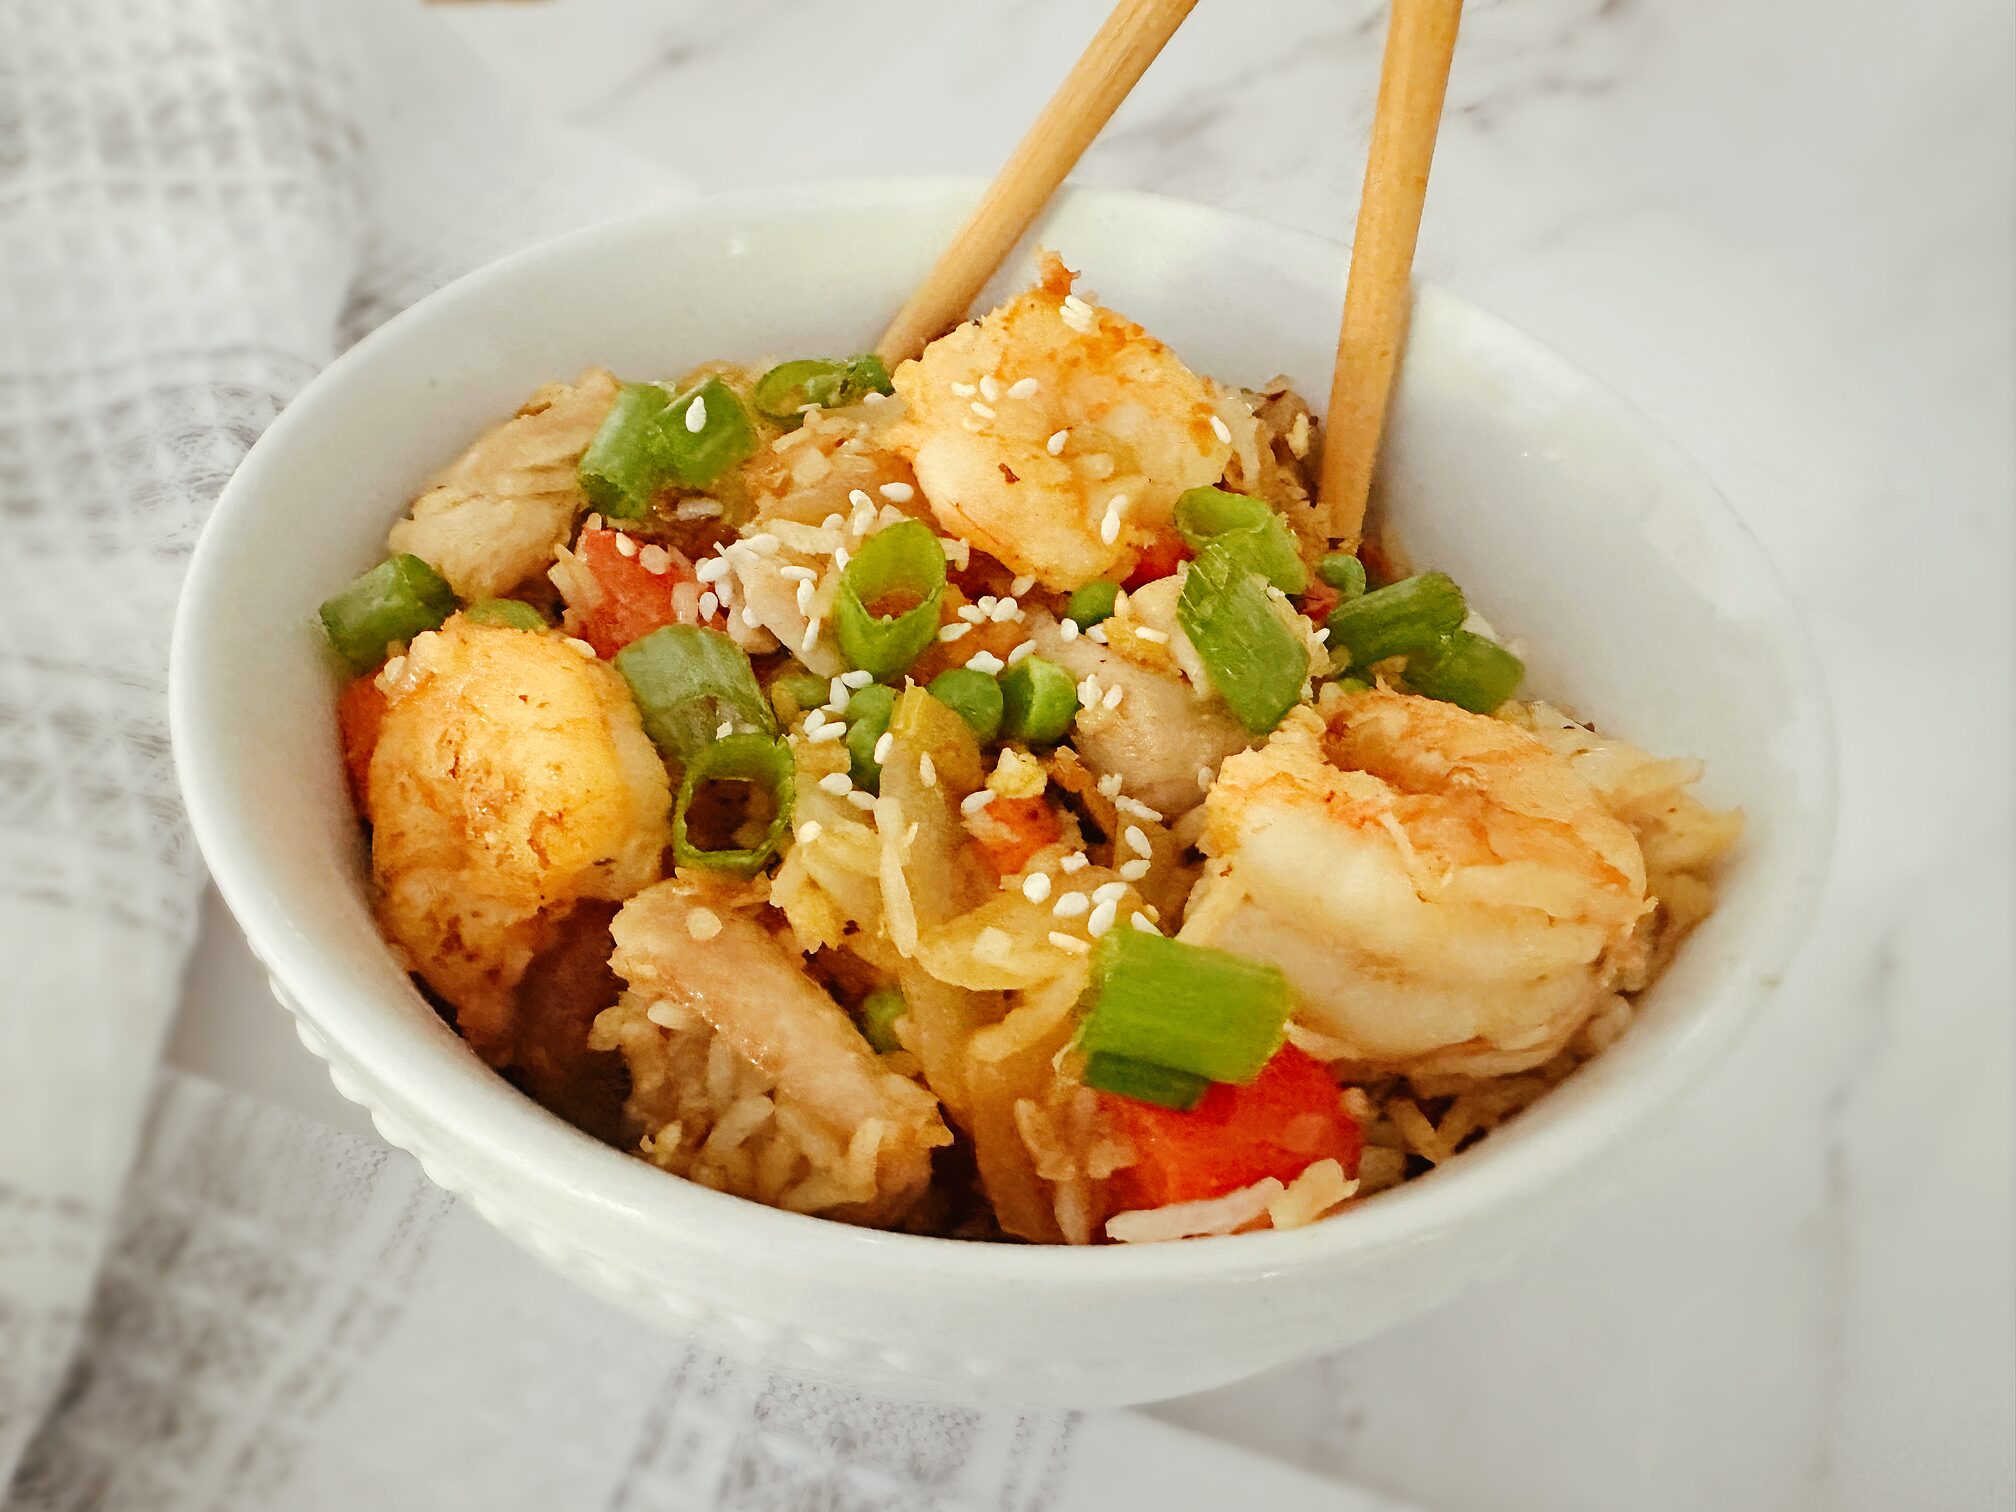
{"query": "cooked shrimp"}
pixel 512 779
pixel 815 1068
pixel 1056 435
pixel 1444 892
pixel 496 514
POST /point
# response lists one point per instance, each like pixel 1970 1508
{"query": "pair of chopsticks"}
pixel 1414 75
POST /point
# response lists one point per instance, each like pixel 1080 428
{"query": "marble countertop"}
pixel 1787 234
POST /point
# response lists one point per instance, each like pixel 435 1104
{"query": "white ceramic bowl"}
pixel 1571 524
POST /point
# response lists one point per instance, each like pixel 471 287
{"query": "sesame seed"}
pixel 1068 629
pixel 972 803
pixel 990 388
pixel 973 614
pixel 1005 611
pixel 749 618
pixel 1221 430
pixel 873 397
pixel 655 560
pixel 809 831
pixel 840 558
pixel 1110 784
pixel 1137 808
pixel 1055 444
pixel 910 832
pixel 860 677
pixel 836 783
pixel 952 632
pixel 1022 585
pixel 1322 636
pixel 1036 886
pixel 625 547
pixel 985 661
pixel 698 509
pixel 826 734
pixel 1023 388
pixel 1088 691
pixel 1102 918
pixel 710 605
pixel 1109 528
pixel 1071 904
pixel 1107 892
pixel 814 720
pixel 696 415
pixel 927 770
pixel 1069 942
pixel 1020 651
pixel 964 390
pixel 838 690
pixel 984 411
pixel 580 647
pixel 593 522
pixel 897 493
pixel 1133 871
pixel 1097 634
pixel 861 800
pixel 859 499
pixel 884 744
pixel 1153 636
pixel 805 593
pixel 863 521
pixel 1113 696
pixel 1075 862
pixel 811 636
pixel 797 574
pixel 703 924
pixel 762 543
pixel 833 522
pixel 1141 922
pixel 1137 840
pixel 712 569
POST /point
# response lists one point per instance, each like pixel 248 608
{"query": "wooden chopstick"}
pixel 1420 40
pixel 1110 65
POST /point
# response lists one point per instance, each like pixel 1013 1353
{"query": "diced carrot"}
pixel 1011 830
pixel 634 600
pixel 1160 557
pixel 1289 1117
pixel 359 714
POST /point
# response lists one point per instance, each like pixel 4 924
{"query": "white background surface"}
pixel 1786 231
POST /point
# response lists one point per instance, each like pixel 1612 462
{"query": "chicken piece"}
pixel 512 779
pixel 987 402
pixel 1444 892
pixel 497 513
pixel 851 1138
pixel 1163 732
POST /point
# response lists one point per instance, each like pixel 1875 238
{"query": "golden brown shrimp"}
pixel 496 514
pixel 512 779
pixel 1056 435
pixel 1443 891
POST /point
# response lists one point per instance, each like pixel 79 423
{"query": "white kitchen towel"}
pixel 201 201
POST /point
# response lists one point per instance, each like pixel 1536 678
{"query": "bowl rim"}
pixel 542 1157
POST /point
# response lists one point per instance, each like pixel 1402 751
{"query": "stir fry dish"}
pixel 976 800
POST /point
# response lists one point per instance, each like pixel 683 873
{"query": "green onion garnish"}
pixel 1183 1007
pixel 1248 529
pixel 1344 572
pixel 687 683
pixel 1091 602
pixel 394 601
pixel 1410 615
pixel 757 761
pixel 783 394
pixel 703 433
pixel 1038 702
pixel 877 1017
pixel 1466 669
pixel 1256 663
pixel 904 563
pixel 507 614
pixel 868 715
pixel 1144 1081
pixel 621 469
pixel 974 696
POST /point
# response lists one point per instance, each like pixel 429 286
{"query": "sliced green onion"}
pixel 1344 572
pixel 1256 663
pixel 1039 700
pixel 1247 528
pixel 1144 1081
pixel 687 683
pixel 974 696
pixel 783 394
pixel 868 715
pixel 394 601
pixel 1469 670
pixel 792 693
pixel 1091 602
pixel 877 1016
pixel 621 469
pixel 1183 1007
pixel 703 433
pixel 758 760
pixel 1410 615
pixel 506 614
pixel 903 561
pixel 1350 684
